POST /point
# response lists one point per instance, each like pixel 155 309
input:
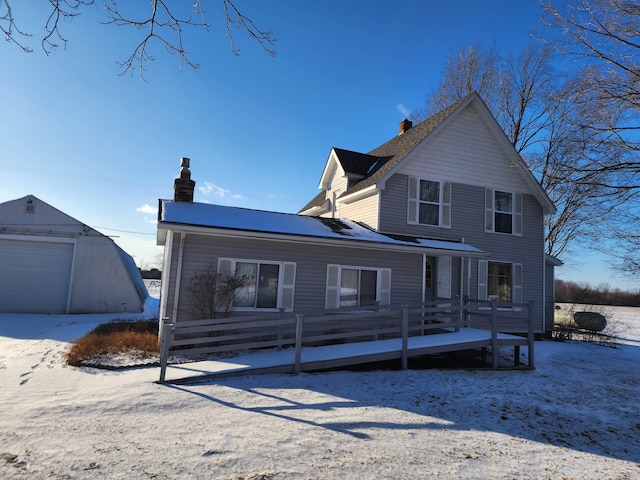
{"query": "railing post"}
pixel 281 310
pixel 166 335
pixel 405 336
pixel 531 336
pixel 494 334
pixel 376 308
pixel 298 354
pixel 465 311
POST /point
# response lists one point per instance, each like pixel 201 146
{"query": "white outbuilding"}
pixel 52 263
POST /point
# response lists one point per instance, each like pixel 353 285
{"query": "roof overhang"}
pixel 317 209
pixel 428 247
pixel 329 170
pixel 359 195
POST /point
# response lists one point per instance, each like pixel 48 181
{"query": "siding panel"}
pixel 365 210
pixel 202 251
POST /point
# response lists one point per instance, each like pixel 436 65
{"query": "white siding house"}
pixel 445 209
pixel 52 263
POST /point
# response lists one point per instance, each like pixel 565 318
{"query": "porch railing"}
pixel 223 337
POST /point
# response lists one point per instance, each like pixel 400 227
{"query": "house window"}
pixel 503 212
pixel 429 202
pixel 358 288
pixel 261 290
pixel 349 286
pixel 500 281
pixel 269 285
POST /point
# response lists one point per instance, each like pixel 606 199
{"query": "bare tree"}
pixel 164 23
pixel 466 71
pixel 602 38
pixel 212 293
pixel 545 117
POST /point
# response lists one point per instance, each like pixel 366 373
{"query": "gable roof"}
pixel 396 149
pixel 359 164
pixel 390 155
pixel 244 222
pixel 44 218
pixel 318 201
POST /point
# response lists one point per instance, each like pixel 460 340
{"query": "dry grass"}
pixel 115 339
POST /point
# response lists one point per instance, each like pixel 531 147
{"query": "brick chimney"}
pixel 183 186
pixel 404 126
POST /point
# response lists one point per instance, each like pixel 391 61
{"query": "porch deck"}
pixel 340 355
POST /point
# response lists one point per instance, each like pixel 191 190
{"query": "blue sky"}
pixel 103 148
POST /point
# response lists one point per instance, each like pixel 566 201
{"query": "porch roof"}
pixel 259 223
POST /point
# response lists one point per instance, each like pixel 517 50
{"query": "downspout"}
pixel 461 278
pixel 333 205
pixel 166 276
pixel 176 294
pixel 424 280
pixel 544 294
pixel 469 279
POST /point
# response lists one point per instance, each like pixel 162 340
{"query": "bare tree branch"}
pixel 165 24
pixel 9 28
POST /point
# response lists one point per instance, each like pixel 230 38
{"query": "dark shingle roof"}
pixel 359 163
pixel 317 201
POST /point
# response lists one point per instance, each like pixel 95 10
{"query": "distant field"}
pixel 153 287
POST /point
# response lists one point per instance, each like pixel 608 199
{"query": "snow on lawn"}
pixel 575 416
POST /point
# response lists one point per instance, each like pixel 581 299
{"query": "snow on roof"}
pixel 248 220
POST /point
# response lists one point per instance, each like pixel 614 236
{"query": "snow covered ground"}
pixel 575 416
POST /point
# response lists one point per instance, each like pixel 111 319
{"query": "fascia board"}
pixel 359 195
pixel 328 170
pixel 276 237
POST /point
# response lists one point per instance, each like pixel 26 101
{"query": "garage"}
pixel 36 276
pixel 52 263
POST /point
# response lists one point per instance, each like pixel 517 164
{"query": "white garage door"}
pixel 34 276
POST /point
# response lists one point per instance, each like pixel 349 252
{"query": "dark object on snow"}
pixel 590 321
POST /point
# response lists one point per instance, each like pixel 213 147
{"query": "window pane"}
pixel 268 286
pixel 246 296
pixel 504 222
pixel 429 191
pixel 503 202
pixel 499 281
pixel 349 288
pixel 429 214
pixel 368 284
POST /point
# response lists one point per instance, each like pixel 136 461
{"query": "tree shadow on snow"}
pixel 578 404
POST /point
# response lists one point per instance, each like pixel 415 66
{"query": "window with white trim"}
pixel 270 285
pixel 500 281
pixel 349 286
pixel 429 202
pixel 503 212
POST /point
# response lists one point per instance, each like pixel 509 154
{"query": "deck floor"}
pixel 329 356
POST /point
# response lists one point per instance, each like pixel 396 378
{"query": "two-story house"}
pixel 446 208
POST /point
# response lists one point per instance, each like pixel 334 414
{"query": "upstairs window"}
pixel 503 212
pixel 429 203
